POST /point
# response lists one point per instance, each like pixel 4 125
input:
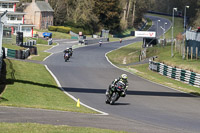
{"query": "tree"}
pixel 109 14
pixel 59 11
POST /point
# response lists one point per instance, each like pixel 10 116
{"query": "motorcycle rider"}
pixel 66 52
pixel 100 43
pixel 120 40
pixel 122 78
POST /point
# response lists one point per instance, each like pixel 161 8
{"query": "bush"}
pixel 52 28
pixel 63 29
pixel 59 29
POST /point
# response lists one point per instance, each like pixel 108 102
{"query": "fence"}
pixel 193 35
pixel 74 35
pixel 175 73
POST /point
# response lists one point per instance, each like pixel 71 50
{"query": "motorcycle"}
pixel 70 52
pixel 100 43
pixel 66 57
pixel 117 92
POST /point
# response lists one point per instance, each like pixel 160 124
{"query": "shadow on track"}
pixel 129 92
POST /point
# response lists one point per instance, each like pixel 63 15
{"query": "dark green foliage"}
pixel 109 14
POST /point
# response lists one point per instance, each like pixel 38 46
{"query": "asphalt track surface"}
pixel 148 107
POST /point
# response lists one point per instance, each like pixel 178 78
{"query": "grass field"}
pixel 178 25
pixel 163 56
pixel 31 85
pixel 57 35
pixel 41 54
pixel 126 55
pixel 41 128
pixel 131 54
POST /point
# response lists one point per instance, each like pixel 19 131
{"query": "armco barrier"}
pixel 95 40
pixel 19 54
pixel 185 76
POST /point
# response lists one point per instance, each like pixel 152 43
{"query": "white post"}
pixel 185 18
pixel 165 29
pixel 172 54
pixel 3 19
pixel 157 28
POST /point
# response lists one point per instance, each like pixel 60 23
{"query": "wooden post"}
pixel 187 52
pixel 196 53
pixel 191 52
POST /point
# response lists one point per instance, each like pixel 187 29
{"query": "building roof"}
pixel 9 1
pixel 17 25
pixel 44 6
pixel 16 13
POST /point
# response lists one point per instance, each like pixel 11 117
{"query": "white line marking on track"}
pixel 59 85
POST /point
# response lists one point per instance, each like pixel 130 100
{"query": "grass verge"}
pixel 144 72
pixel 31 85
pixel 57 35
pixel 163 53
pixel 41 54
pixel 125 55
pixel 40 49
pixel 42 128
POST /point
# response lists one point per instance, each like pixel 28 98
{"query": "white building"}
pixel 15 19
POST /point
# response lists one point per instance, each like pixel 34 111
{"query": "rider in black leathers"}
pixel 124 79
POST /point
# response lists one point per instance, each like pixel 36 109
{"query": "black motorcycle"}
pixel 66 57
pixel 117 92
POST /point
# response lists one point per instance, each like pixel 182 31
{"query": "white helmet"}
pixel 124 76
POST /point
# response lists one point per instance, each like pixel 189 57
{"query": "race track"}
pixel 88 73
pixel 147 108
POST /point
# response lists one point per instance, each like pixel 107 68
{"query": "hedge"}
pixel 59 29
pixel 64 29
pixel 52 28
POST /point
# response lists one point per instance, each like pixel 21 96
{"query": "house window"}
pixel 12 17
pixel 19 17
pixel 4 5
pixel 10 5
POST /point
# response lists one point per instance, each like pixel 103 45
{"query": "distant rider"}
pixel 122 78
pixel 120 40
pixel 66 52
pixel 100 43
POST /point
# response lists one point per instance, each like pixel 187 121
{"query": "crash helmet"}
pixel 124 77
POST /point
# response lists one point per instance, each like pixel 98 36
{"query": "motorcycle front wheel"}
pixel 114 98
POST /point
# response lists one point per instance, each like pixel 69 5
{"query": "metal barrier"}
pixel 185 76
pixel 19 54
pixel 193 35
pixel 29 43
pixel 74 35
pixel 95 40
